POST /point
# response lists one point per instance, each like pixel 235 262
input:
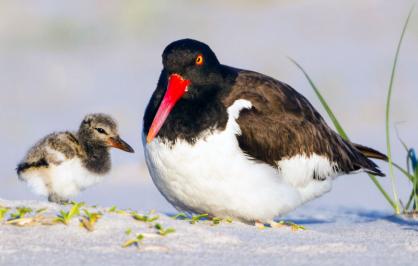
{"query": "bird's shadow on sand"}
pixel 354 216
pixel 311 221
pixel 365 216
pixel 402 220
pixel 406 223
pixel 301 221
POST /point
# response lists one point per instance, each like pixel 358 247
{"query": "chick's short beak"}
pixel 117 142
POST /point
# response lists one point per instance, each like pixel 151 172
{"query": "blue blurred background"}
pixel 62 60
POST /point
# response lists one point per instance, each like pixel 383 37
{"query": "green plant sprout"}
pixel 128 231
pixel 3 212
pixel 41 210
pixel 163 232
pixel 19 218
pixel 198 218
pixel 89 219
pixel 114 209
pixel 20 213
pixel 194 219
pixel 65 217
pixel 134 241
pixel 180 216
pixel 144 218
pixel 395 201
pixel 218 220
pixel 293 226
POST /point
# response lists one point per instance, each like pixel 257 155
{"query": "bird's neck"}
pixel 97 159
pixel 205 113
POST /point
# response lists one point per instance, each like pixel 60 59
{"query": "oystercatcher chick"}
pixel 63 164
pixel 236 143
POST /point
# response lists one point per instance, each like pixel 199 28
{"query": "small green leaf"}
pixel 158 226
pixel 163 232
pixel 20 212
pixel 197 218
pixel 134 241
pixel 180 215
pixel 139 237
pixel 75 209
pixel 87 224
pixel 144 218
pixel 216 220
pixel 41 210
pixel 3 212
pixel 129 243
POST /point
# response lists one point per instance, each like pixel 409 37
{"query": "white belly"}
pixel 66 179
pixel 214 176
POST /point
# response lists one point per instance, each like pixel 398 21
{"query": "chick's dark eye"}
pixel 101 130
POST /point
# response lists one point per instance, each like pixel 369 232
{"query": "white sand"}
pixel 333 237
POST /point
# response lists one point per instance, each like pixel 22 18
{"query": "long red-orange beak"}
pixel 176 87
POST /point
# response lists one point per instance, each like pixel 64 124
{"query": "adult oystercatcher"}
pixel 62 164
pixel 236 143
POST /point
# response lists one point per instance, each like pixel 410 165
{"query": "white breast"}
pixel 214 176
pixel 65 179
pixel 71 177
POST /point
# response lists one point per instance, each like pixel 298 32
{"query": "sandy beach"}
pixel 332 237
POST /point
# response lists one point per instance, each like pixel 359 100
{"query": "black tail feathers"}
pixel 370 153
pixel 372 168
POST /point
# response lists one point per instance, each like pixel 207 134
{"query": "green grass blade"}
pixel 383 191
pixel 340 129
pixel 331 115
pixel 390 88
pixel 403 171
pixel 416 188
pixel 411 197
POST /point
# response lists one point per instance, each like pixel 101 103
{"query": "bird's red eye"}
pixel 199 60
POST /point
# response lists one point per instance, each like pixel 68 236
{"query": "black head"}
pixel 191 59
pixel 101 130
pixel 191 73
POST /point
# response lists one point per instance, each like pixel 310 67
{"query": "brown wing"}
pixel 282 123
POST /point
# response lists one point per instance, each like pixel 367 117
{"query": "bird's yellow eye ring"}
pixel 199 60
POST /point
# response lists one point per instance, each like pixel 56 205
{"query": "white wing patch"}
pixel 299 170
pixel 233 114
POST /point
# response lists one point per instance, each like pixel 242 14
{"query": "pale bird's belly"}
pixel 71 177
pixel 66 179
pixel 214 176
pixel 208 177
